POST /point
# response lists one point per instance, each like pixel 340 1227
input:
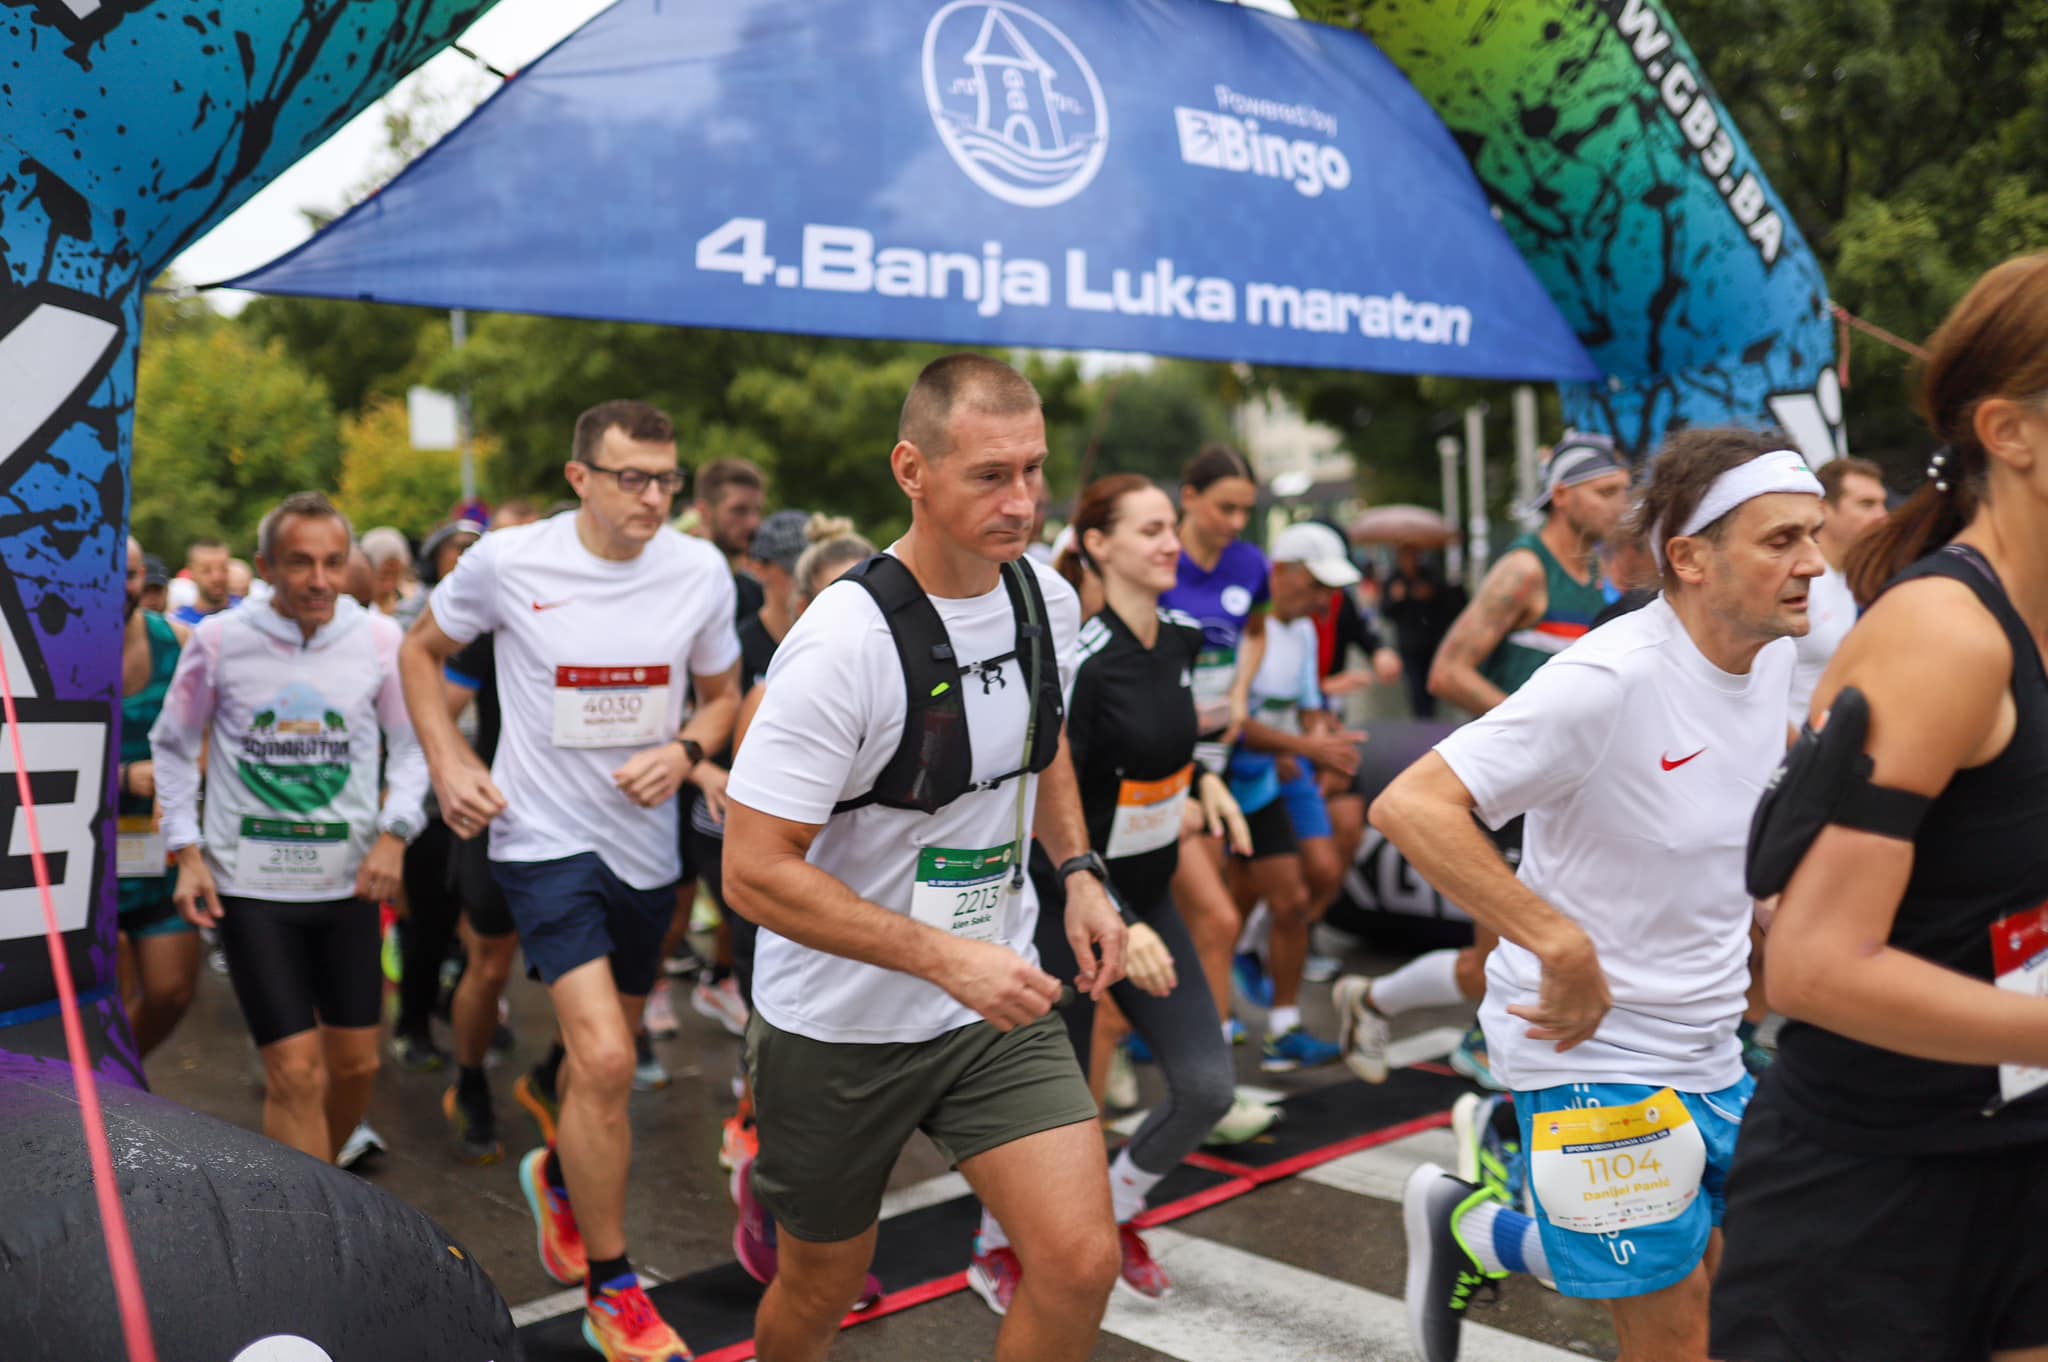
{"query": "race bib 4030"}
pixel 1599 1169
pixel 611 706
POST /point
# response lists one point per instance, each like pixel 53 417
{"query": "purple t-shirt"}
pixel 1220 601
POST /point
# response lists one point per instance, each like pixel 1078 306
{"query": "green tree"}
pixel 363 351
pixel 224 427
pixel 385 481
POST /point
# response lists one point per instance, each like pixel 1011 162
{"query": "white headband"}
pixel 1781 470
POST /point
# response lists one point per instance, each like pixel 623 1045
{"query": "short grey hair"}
pixel 387 545
pixel 312 504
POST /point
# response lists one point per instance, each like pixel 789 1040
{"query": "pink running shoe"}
pixel 994 1275
pixel 1141 1271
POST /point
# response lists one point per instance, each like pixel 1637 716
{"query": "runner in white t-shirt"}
pixel 600 620
pixel 896 985
pixel 1854 505
pixel 1637 756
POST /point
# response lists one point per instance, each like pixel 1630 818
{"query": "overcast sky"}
pixel 509 36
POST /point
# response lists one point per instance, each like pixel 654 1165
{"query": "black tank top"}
pixel 1981 855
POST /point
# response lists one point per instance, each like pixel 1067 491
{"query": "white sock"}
pixel 1257 927
pixel 1281 1020
pixel 991 1236
pixel 1427 981
pixel 1128 1187
pixel 1504 1240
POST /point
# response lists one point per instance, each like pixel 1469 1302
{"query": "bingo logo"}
pixel 1015 102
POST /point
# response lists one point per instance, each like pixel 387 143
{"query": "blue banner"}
pixel 1175 176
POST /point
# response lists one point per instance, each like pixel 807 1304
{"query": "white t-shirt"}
pixel 1638 763
pixel 593 658
pixel 829 722
pixel 1290 672
pixel 1831 606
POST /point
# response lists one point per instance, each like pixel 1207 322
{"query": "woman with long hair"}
pixel 1887 1197
pixel 1224 583
pixel 1132 727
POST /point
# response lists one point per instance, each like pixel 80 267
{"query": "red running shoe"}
pixel 1141 1271
pixel 994 1276
pixel 622 1324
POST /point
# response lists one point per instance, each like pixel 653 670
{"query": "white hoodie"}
pixel 291 781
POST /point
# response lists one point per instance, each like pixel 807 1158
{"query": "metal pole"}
pixel 1447 458
pixel 458 323
pixel 1525 445
pixel 1477 550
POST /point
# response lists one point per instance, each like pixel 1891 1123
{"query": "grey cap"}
pixel 782 539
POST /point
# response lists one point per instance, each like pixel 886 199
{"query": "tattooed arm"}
pixel 1512 597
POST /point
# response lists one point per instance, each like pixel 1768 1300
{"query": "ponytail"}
pixel 1928 519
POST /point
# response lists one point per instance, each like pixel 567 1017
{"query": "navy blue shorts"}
pixel 572 911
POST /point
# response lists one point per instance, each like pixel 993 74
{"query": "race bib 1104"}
pixel 1599 1169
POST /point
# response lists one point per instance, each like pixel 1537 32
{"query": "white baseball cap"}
pixel 1318 548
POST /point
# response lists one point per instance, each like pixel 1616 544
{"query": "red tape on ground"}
pixel 1243 1179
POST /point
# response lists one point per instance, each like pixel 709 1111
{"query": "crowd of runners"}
pixel 977 821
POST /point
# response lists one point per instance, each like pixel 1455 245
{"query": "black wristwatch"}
pixel 1088 861
pixel 692 749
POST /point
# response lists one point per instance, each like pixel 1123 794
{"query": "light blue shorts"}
pixel 1642 1259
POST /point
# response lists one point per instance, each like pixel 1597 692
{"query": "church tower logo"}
pixel 1015 102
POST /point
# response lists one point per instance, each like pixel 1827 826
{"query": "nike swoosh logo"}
pixel 1671 765
pixel 551 605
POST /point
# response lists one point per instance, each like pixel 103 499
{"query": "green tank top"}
pixel 139 711
pixel 1572 608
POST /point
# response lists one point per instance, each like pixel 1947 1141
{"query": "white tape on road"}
pixel 1382 1172
pixel 1229 1305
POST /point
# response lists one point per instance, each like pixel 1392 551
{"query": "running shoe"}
pixel 540 1103
pixel 417 1054
pixel 1469 1059
pixel 1254 986
pixel 994 1276
pixel 704 917
pixel 1490 1145
pixel 1443 1273
pixel 753 1233
pixel 392 956
pixel 1120 1089
pixel 684 966
pixel 555 1234
pixel 623 1325
pixel 1234 1032
pixel 721 1002
pixel 475 1127
pixel 1320 969
pixel 1246 1120
pixel 361 1143
pixel 1141 1271
pixel 649 1073
pixel 1362 1033
pixel 1757 1056
pixel 661 1016
pixel 1139 1050
pixel 738 1140
pixel 1296 1050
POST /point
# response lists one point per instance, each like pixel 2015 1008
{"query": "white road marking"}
pixel 1228 1305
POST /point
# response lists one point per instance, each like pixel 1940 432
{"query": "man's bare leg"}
pixel 1050 1191
pixel 594 1139
pixel 815 1285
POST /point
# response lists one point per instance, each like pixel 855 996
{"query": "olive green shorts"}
pixel 833 1117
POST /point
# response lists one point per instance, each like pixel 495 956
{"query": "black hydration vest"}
pixel 934 762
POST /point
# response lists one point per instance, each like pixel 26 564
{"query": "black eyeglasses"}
pixel 633 481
